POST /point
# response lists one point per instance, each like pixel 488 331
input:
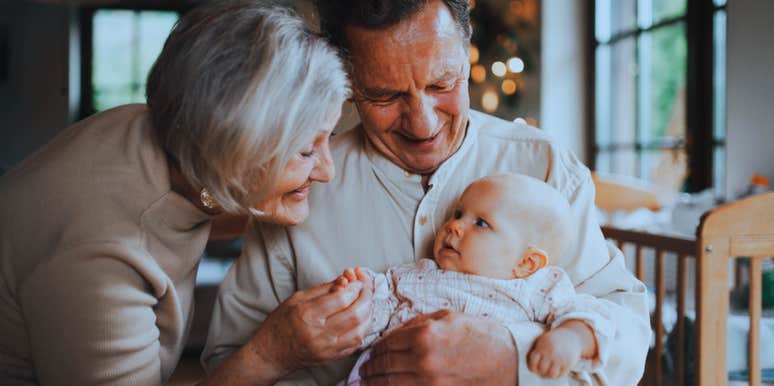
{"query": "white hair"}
pixel 239 88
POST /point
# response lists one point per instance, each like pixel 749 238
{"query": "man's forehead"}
pixel 392 74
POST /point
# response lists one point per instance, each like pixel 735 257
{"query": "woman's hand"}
pixel 315 326
pixel 444 348
pixel 310 328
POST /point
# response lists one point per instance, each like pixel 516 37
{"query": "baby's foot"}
pixel 555 353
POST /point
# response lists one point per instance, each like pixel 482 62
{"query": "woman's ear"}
pixel 533 259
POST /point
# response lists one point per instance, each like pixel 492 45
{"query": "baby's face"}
pixel 483 237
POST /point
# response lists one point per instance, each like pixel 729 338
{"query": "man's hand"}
pixel 444 348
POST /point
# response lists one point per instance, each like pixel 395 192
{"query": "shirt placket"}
pixel 424 219
pixel 424 224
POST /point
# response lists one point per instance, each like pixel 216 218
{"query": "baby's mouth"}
pixel 447 244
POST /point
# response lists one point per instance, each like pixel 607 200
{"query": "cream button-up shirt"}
pixel 376 215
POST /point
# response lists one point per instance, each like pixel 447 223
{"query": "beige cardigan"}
pixel 98 258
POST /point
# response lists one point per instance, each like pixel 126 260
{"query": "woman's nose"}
pixel 323 171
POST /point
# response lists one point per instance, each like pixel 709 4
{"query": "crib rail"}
pixel 683 248
pixel 744 228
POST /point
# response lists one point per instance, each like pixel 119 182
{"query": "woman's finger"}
pixel 329 303
pixel 357 313
pixel 311 293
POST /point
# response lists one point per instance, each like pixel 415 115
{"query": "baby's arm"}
pixel 558 350
pixel 580 329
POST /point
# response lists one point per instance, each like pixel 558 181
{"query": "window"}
pixel 119 48
pixel 659 91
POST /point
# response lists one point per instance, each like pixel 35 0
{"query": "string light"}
pixel 473 54
pixel 508 87
pixel 489 101
pixel 515 65
pixel 498 68
pixel 478 73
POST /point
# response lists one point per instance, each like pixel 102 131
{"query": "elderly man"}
pixel 401 169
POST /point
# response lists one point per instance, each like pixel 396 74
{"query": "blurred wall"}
pixel 563 101
pixel 35 98
pixel 750 95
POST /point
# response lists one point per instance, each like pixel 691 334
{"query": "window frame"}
pixel 86 27
pixel 700 142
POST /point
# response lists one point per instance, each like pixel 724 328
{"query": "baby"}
pixel 491 260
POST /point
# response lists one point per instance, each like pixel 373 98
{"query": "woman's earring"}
pixel 258 213
pixel 207 200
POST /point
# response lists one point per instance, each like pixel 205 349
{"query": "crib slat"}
pixel 659 325
pixel 753 347
pixel 639 269
pixel 682 285
pixel 640 263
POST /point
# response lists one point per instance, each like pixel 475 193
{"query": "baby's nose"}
pixel 454 229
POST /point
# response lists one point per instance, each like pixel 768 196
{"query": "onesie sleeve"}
pixel 385 302
pixel 561 303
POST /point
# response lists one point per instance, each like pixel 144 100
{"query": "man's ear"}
pixel 532 260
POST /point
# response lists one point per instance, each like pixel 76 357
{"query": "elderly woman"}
pixel 102 230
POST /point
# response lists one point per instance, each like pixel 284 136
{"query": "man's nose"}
pixel 420 119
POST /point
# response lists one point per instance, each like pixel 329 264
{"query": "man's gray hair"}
pixel 240 87
pixel 336 15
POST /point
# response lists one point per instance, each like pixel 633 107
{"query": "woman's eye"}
pixel 457 214
pixel 481 223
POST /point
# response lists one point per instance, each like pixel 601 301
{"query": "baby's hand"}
pixel 555 353
pixel 349 275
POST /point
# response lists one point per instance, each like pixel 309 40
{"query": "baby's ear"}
pixel 533 259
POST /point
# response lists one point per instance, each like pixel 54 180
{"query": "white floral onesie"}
pixel 547 296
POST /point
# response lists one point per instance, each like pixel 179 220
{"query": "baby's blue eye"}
pixel 457 214
pixel 481 223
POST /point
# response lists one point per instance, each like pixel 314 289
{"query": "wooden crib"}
pixel 744 228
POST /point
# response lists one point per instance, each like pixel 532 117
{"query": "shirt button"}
pixel 407 174
pixel 422 220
